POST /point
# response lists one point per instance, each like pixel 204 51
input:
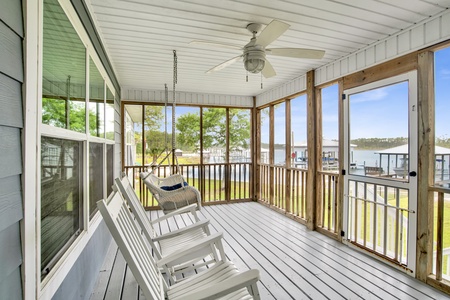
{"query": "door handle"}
pixel 413 174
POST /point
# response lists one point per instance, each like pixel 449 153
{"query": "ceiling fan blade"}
pixel 268 70
pixel 296 52
pixel 224 64
pixel 216 44
pixel 271 32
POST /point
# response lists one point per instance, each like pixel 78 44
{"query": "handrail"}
pixel 217 182
pixel 381 204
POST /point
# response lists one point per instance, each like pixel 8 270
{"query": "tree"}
pixel 189 127
pixel 154 136
pixel 54 113
pixel 214 129
pixel 239 129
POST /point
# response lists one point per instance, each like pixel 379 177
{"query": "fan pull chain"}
pixel 246 77
pixel 261 82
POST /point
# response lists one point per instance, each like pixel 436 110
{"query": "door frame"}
pixel 410 185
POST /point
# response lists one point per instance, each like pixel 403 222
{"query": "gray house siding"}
pixel 11 124
pixel 81 279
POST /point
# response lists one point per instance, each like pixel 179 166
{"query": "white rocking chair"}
pixel 171 192
pixel 223 279
pixel 168 243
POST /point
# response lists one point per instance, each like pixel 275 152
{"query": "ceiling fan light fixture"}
pixel 254 61
pixel 254 65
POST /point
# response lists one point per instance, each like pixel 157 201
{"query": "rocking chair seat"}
pixel 171 199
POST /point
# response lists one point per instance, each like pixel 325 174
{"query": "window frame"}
pixel 46 287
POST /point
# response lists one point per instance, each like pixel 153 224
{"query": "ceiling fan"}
pixel 254 53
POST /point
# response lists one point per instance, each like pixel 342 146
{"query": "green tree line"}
pixel 378 143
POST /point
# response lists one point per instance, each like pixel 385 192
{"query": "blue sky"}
pixel 442 92
pixel 380 113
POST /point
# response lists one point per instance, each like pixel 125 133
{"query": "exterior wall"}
pixel 186 98
pixel 11 125
pixel 82 277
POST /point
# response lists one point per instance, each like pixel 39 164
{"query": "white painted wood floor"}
pixel 294 263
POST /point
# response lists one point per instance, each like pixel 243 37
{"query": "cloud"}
pixel 444 74
pixel 370 96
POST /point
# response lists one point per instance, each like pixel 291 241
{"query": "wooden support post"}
pixel 340 177
pixel 123 136
pixel 287 182
pixel 312 149
pixel 227 158
pixel 271 154
pixel 201 167
pixel 425 164
pixel 256 150
pixel 318 178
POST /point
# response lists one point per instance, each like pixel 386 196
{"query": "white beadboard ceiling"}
pixel 140 36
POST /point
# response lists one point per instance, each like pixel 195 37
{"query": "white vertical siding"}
pixel 432 31
pixel 129 94
pixel 288 89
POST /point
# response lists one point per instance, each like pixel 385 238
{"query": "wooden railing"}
pixel 216 182
pixel 276 181
pixel 378 220
pixel 297 205
pixel 327 206
pixel 441 255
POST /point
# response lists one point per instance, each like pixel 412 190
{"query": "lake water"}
pixel 360 157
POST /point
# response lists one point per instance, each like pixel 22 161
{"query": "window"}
pixel 63 106
pixel 64 72
pixel 279 156
pixel 95 176
pixel 442 156
pixel 330 128
pixel 265 135
pixel 61 196
pixel 77 149
pixel 109 115
pixel 299 137
pixel 214 135
pixel 96 101
pixel 109 168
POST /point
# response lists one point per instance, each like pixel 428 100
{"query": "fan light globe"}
pixel 254 65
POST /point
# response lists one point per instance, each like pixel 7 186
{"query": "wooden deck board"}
pixel 294 263
pixel 395 283
pixel 101 284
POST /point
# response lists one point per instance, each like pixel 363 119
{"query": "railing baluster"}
pixel 233 170
pixel 439 236
pixel 397 233
pixel 385 222
pixel 375 213
pixel 329 202
pixel 365 215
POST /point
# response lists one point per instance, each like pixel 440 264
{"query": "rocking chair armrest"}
pixel 239 281
pixel 190 208
pixel 200 224
pixel 195 246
